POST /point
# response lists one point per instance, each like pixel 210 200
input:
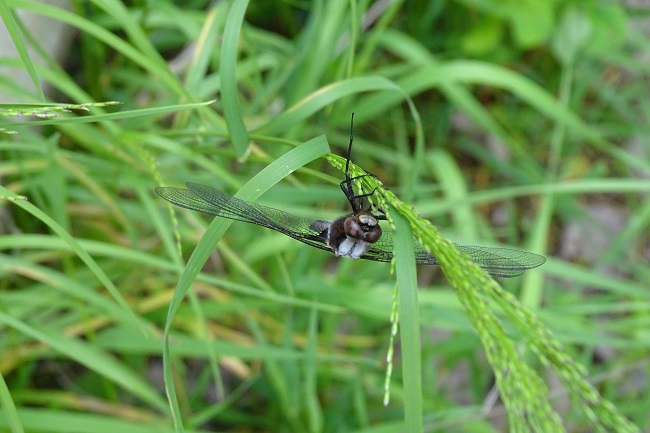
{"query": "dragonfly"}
pixel 356 235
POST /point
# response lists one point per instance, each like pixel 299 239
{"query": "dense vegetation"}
pixel 519 125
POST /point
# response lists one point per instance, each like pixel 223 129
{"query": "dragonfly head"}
pixel 363 225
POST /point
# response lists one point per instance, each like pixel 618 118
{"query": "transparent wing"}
pixel 214 202
pixel 499 262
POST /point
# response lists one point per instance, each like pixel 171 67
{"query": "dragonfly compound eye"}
pixel 355 227
pixel 368 220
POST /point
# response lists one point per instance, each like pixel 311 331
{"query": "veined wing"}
pixel 214 202
pixel 498 262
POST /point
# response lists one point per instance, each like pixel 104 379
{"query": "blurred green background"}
pixel 533 116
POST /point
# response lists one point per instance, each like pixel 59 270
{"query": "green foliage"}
pixel 505 123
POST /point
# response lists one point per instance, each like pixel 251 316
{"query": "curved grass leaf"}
pixel 325 96
pixel 268 177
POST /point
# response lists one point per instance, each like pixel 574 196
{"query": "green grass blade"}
pixel 206 45
pixel 9 408
pixel 9 20
pixel 228 66
pixel 409 321
pixel 324 97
